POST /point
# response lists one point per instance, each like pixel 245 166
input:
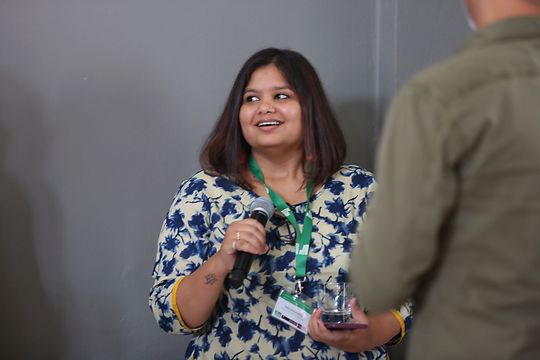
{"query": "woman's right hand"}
pixel 246 235
pixel 198 293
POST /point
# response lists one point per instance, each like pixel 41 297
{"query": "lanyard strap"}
pixel 303 238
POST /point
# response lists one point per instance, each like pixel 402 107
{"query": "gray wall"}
pixel 104 105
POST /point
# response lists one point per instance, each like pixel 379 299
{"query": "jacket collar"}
pixel 518 28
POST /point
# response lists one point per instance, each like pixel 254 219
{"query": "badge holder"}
pixel 292 308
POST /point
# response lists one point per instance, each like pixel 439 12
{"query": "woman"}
pixel 276 138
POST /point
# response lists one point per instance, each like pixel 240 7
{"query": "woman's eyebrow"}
pixel 281 87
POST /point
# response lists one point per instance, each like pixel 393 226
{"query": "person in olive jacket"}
pixel 456 216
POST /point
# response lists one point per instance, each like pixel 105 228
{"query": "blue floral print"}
pixel 242 326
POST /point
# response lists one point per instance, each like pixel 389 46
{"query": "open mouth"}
pixel 268 123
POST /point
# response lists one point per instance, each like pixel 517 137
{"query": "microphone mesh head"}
pixel 262 204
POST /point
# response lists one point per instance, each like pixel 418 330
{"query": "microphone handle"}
pixel 260 216
pixel 241 269
pixel 243 260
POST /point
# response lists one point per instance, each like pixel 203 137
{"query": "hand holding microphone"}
pixel 261 210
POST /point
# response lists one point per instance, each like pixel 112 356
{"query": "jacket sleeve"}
pixel 416 188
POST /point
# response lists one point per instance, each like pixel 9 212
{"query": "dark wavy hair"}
pixel 225 151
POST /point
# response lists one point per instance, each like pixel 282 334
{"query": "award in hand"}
pixel 336 307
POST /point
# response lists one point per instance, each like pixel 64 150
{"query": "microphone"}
pixel 261 209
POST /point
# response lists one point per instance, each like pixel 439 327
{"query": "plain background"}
pixel 104 105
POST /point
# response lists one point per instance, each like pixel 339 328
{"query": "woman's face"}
pixel 271 114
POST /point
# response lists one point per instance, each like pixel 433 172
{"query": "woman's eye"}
pixel 282 96
pixel 251 98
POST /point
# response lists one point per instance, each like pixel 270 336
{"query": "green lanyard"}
pixel 303 238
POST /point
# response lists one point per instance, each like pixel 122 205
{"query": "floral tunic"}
pixel 242 326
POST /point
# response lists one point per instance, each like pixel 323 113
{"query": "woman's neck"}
pixel 283 174
pixel 286 167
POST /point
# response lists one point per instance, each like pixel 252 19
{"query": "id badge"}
pixel 292 310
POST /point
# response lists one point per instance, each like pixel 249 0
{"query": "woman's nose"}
pixel 266 108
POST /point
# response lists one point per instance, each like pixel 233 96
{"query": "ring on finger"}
pixel 235 240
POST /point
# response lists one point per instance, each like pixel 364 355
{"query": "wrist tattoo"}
pixel 210 279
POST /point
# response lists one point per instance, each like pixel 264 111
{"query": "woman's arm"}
pixel 197 294
pixel 193 258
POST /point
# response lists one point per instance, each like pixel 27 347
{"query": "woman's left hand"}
pixel 357 340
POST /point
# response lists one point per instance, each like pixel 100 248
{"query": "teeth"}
pixel 268 123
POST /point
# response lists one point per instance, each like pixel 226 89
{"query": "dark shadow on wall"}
pixel 30 325
pixel 358 123
pixel 362 122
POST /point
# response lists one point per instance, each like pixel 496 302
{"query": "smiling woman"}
pixel 276 138
pixel 323 144
pixel 271 115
